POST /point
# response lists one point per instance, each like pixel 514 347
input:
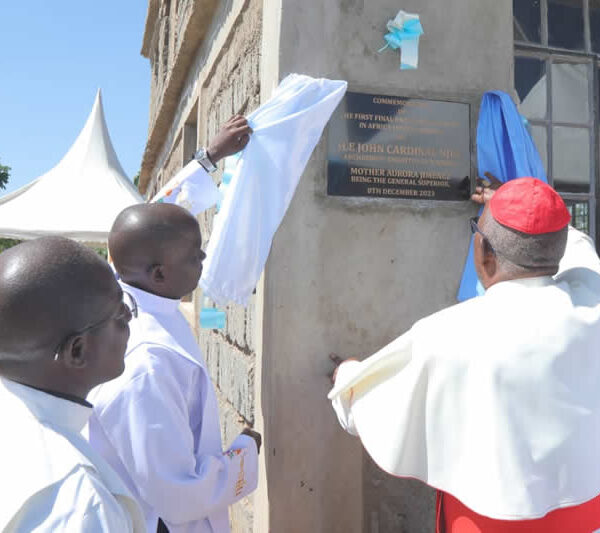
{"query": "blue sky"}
pixel 54 55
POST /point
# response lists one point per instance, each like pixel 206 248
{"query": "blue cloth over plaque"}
pixel 506 150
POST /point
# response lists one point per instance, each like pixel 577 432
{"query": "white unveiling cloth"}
pixel 286 131
pixel 191 188
pixel 50 478
pixel 158 426
pixel 495 400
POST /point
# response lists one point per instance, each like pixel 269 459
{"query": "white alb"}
pixel 158 426
pixel 51 479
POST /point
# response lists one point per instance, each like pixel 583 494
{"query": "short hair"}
pixel 519 252
pixel 141 234
pixel 49 287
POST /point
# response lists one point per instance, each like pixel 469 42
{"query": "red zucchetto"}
pixel 530 206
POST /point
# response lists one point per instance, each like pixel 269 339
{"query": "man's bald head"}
pixel 157 248
pixel 142 234
pixel 49 288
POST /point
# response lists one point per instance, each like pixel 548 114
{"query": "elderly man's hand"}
pixel 484 191
pixel 231 138
pixel 255 435
pixel 337 361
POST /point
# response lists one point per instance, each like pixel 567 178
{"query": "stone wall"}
pixel 174 162
pixel 218 83
pixel 174 38
pixel 161 56
pixel 233 87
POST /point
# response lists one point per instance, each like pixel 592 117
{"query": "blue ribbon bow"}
pixel 404 33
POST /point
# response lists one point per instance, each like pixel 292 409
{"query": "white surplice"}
pixel 495 400
pixel 158 426
pixel 50 478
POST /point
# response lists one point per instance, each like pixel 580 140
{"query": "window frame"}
pixel 551 55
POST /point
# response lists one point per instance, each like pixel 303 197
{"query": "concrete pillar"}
pixel 350 275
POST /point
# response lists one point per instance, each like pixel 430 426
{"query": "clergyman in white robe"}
pixel 495 400
pixel 50 478
pixel 158 426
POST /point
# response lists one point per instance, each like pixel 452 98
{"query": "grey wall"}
pixel 348 276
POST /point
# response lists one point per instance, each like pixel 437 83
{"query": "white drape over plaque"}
pixel 286 131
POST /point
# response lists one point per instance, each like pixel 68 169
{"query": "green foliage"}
pixel 102 252
pixel 4 175
pixel 7 243
pixel 136 179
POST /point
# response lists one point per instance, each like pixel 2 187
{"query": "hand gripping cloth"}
pixel 286 131
pixel 506 150
pixel 191 188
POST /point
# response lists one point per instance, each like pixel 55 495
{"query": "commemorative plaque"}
pixel 395 147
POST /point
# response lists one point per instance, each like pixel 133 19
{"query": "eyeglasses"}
pixel 127 311
pixel 476 229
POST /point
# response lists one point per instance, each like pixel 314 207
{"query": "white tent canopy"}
pixel 80 197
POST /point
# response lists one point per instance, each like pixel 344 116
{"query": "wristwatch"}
pixel 202 157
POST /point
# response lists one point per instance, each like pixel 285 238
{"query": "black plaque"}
pixel 395 147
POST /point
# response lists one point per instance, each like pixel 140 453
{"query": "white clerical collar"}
pixel 59 412
pixel 151 303
pixel 537 281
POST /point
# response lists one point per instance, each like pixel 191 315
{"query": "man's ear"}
pixel 489 260
pixel 157 274
pixel 74 353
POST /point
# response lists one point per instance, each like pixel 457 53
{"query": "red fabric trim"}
pixel 458 518
pixel 439 522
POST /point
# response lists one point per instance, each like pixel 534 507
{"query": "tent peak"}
pixel 79 197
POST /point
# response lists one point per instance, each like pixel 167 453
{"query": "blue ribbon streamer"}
pixel 506 150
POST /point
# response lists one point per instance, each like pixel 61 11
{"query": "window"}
pixel 557 43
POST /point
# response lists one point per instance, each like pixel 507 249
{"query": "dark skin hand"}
pixel 233 136
pixel 255 435
pixel 485 189
pixel 337 361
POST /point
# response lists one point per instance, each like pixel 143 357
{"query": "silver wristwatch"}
pixel 202 157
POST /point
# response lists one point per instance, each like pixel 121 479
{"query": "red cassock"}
pixel 454 517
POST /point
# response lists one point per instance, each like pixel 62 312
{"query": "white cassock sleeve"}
pixel 286 131
pixel 580 253
pixel 342 403
pixel 349 374
pixel 191 188
pixel 148 424
pixel 79 503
